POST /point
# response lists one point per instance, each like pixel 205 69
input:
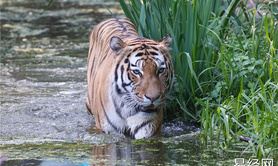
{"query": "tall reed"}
pixel 189 24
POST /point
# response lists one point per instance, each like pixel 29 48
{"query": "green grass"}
pixel 225 60
pixel 244 101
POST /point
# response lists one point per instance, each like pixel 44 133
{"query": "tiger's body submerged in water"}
pixel 128 77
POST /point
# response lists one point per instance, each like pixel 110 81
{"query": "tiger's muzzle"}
pixel 150 105
pixel 149 109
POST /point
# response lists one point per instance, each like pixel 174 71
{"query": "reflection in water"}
pixel 142 152
pixel 128 154
pixel 44 162
pixel 184 149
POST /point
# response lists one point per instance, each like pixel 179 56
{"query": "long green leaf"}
pixel 48 6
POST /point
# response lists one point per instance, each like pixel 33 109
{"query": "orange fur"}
pixel 128 77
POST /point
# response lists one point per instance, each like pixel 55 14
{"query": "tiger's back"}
pixel 123 94
pixel 99 46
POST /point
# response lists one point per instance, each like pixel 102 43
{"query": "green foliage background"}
pixel 225 59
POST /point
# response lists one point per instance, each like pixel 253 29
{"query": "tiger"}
pixel 128 77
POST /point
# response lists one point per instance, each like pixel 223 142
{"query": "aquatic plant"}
pixel 225 62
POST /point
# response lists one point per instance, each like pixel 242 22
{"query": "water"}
pixel 43 116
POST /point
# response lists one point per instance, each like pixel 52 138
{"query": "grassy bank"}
pixel 225 60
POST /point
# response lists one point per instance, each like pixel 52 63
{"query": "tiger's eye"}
pixel 137 72
pixel 161 70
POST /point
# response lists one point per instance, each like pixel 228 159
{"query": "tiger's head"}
pixel 143 73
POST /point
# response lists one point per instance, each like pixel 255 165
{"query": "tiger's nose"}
pixel 152 98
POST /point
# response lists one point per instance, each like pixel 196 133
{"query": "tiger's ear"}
pixel 166 41
pixel 116 44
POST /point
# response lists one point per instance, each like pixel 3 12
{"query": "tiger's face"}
pixel 145 72
pixel 148 72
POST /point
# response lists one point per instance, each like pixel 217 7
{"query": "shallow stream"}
pixel 43 118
